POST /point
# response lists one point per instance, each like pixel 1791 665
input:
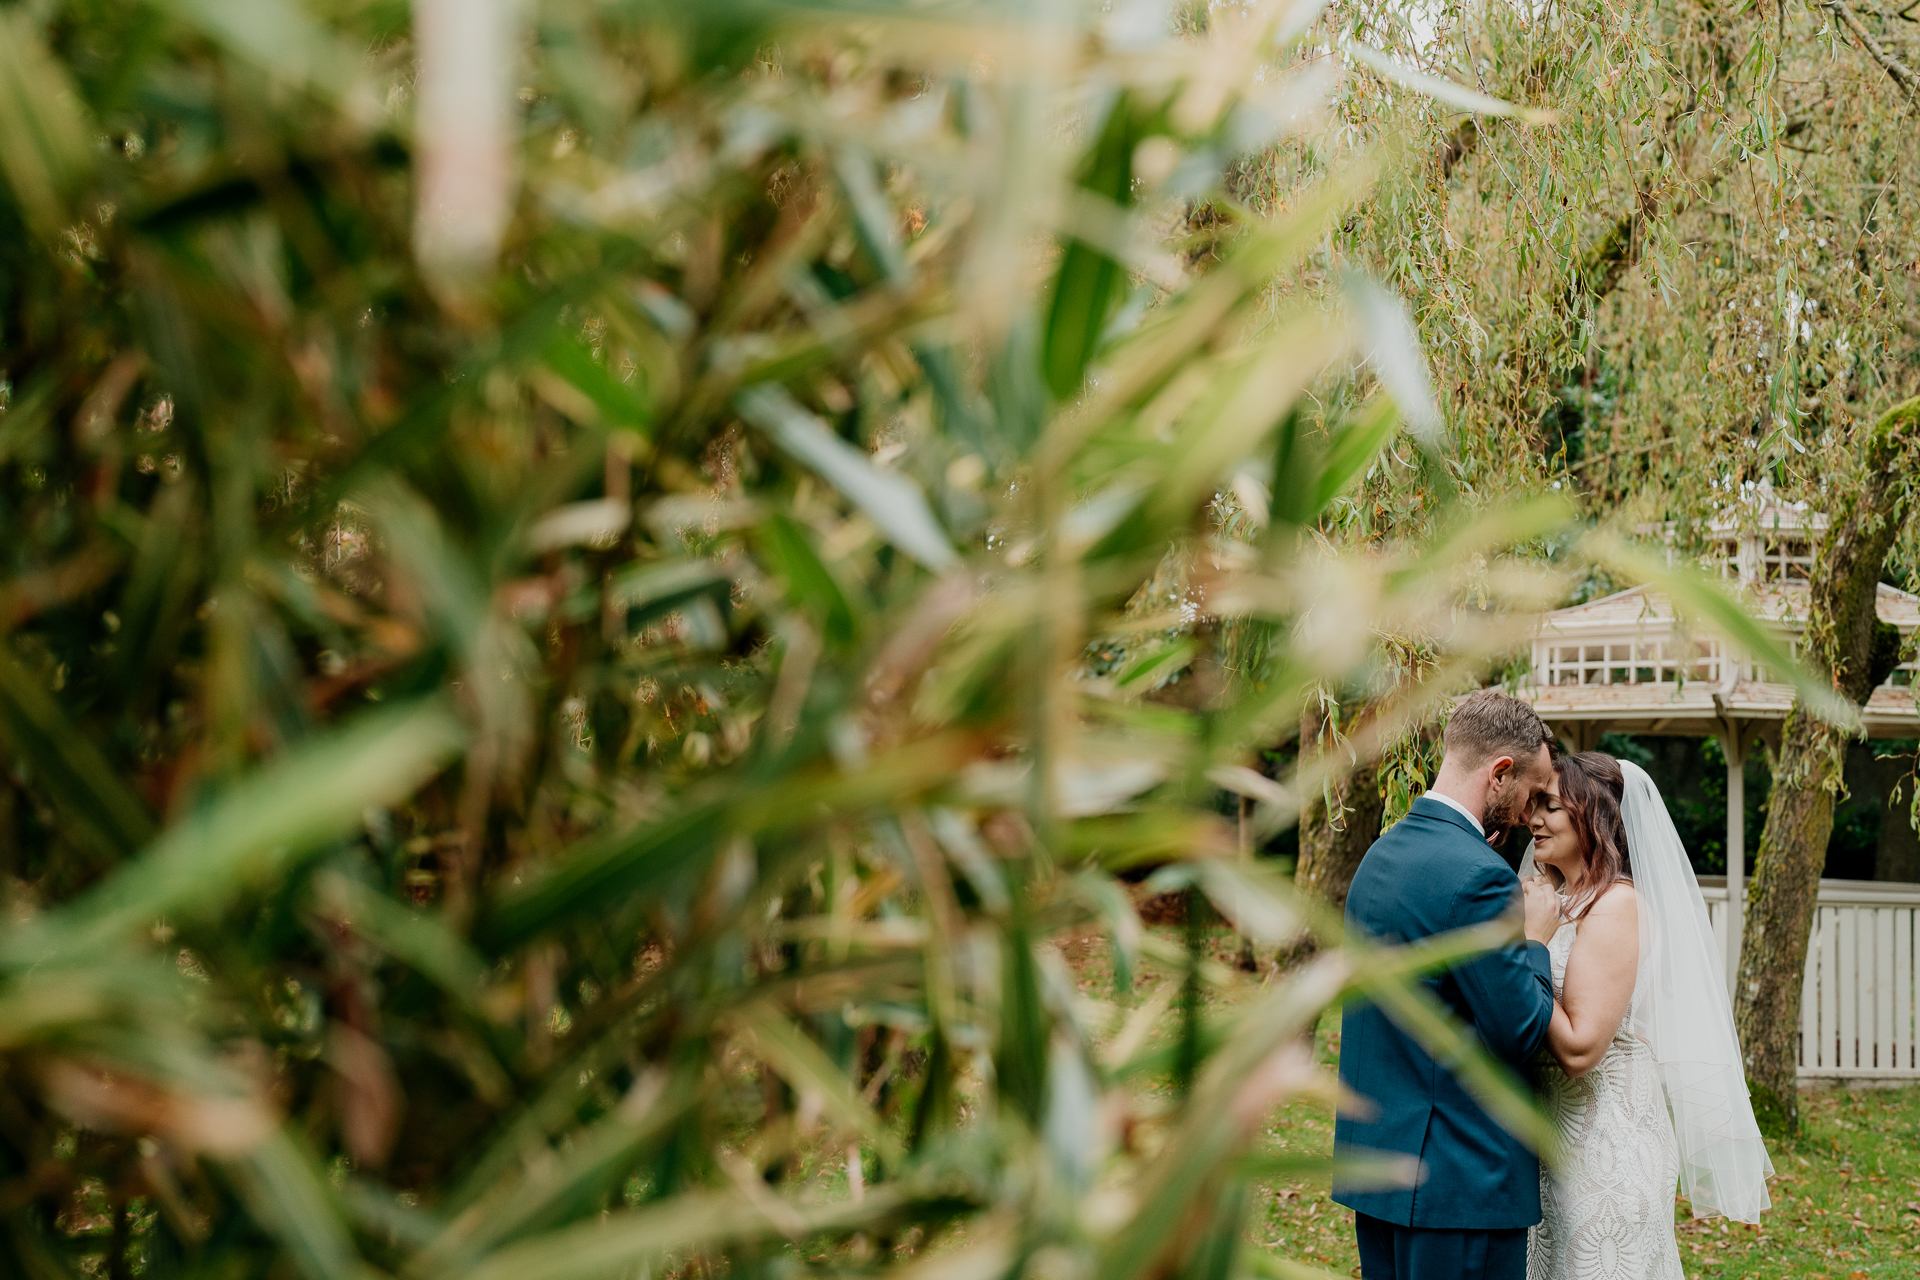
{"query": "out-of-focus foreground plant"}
pixel 557 564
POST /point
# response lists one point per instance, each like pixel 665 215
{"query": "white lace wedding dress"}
pixel 1607 1213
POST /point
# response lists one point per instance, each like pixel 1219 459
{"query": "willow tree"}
pixel 1683 293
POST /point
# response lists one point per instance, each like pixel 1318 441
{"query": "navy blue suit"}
pixel 1433 873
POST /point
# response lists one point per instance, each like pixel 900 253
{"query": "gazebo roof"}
pixel 1643 674
pixel 1784 603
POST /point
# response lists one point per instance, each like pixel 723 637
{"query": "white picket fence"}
pixel 1857 1007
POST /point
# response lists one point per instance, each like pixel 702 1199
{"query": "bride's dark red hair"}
pixel 1591 786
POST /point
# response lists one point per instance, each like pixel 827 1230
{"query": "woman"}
pixel 1645 1082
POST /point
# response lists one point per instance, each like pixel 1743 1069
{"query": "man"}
pixel 1432 873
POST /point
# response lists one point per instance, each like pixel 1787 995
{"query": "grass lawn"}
pixel 1846 1203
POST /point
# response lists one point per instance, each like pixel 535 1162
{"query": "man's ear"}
pixel 1502 768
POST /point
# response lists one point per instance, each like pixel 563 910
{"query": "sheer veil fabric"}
pixel 1681 1012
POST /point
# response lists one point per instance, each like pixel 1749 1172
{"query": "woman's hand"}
pixel 1599 984
pixel 1542 909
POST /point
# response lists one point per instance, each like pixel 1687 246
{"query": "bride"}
pixel 1645 1083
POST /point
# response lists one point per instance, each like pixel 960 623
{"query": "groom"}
pixel 1432 873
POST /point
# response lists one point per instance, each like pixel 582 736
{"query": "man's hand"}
pixel 1542 907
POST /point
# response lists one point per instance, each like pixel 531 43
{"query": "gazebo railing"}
pixel 1858 1014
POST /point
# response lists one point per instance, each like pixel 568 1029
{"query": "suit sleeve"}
pixel 1510 991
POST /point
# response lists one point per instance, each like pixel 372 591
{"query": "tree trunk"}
pixel 1843 642
pixel 1780 903
pixel 1333 838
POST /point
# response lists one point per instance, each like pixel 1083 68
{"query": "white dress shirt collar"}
pixel 1455 804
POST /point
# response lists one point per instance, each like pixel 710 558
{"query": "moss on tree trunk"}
pixel 1843 642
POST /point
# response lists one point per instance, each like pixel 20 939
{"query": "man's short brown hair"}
pixel 1488 723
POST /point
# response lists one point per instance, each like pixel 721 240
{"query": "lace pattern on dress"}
pixel 1607 1214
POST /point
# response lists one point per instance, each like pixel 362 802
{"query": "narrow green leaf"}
pixel 619 1243
pixel 597 1159
pixel 894 502
pixel 1354 448
pixel 1256 901
pixel 1115 909
pixel 1499 1092
pixel 806 1067
pixel 1383 1171
pixel 1392 347
pixel 75 774
pixel 281 812
pixel 606 870
pixel 1386 978
pixel 285 1193
pixel 1146 361
pixel 617 403
pixel 810 584
pixel 873 218
pixel 1220 1118
pixel 415 937
pixel 43 128
pixel 647 590
pixel 1454 95
pixel 282 38
pixel 1088 281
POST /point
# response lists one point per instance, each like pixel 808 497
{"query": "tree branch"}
pixel 1901 73
pixel 1618 249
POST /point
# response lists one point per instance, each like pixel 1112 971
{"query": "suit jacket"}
pixel 1430 874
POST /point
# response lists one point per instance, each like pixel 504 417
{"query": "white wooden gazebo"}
pixel 1626 664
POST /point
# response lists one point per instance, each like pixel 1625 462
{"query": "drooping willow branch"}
pixel 1901 73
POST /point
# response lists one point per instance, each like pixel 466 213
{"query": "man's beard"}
pixel 1503 811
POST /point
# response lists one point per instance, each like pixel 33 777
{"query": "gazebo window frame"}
pixel 1613 660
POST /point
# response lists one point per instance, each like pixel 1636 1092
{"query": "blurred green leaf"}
pixel 614 866
pixel 280 37
pixel 520 1202
pixel 618 1242
pixel 1386 1170
pixel 610 400
pixel 79 777
pixel 1354 448
pixel 289 1196
pixel 1088 282
pixel 810 584
pixel 809 1070
pixel 1454 95
pixel 643 592
pixel 873 218
pixel 43 127
pixel 256 829
pixel 893 501
pixel 414 937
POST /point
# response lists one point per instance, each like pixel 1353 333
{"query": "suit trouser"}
pixel 1389 1252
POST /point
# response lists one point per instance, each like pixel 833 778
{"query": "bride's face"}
pixel 1555 843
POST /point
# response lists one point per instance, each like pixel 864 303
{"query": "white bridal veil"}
pixel 1681 1012
pixel 1680 1009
